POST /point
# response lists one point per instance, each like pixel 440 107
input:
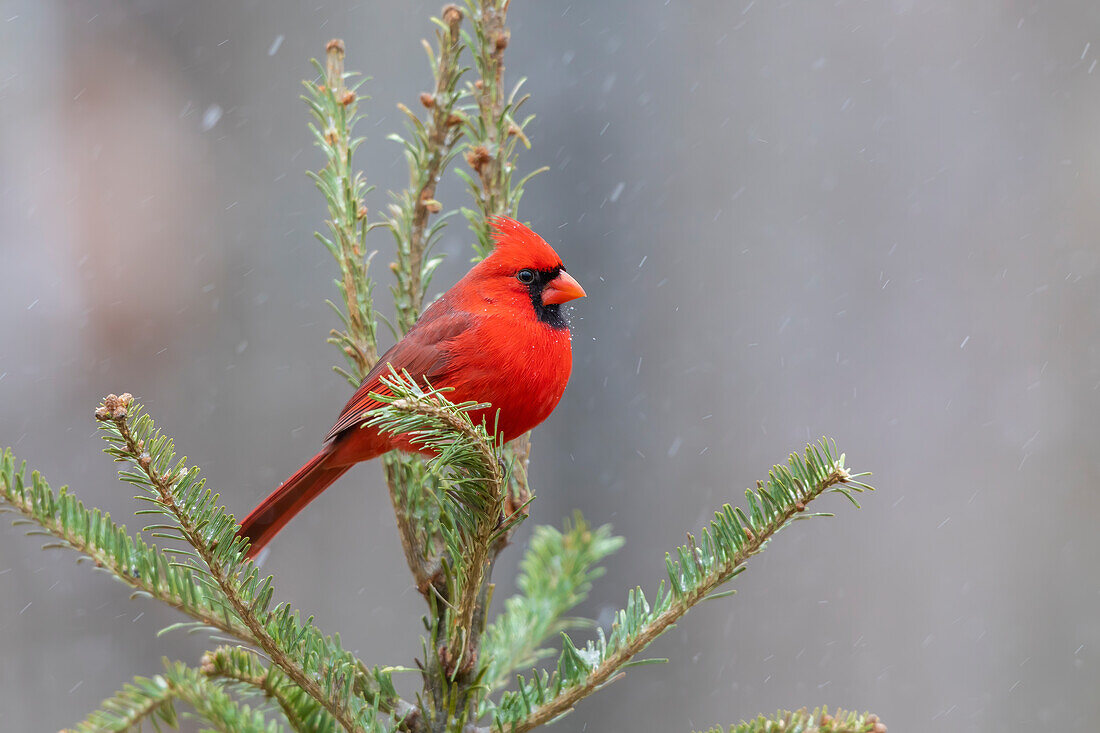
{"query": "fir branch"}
pixel 376 687
pixel 429 148
pixel 518 495
pixel 556 574
pixel 491 137
pixel 444 429
pixel 212 703
pixel 146 569
pixel 149 571
pixel 153 699
pixel 335 111
pixel 492 131
pixel 143 699
pixel 219 560
pixel 479 509
pixel 699 569
pixel 488 129
pixel 243 667
pixel 473 518
pixel 804 721
pixel 416 494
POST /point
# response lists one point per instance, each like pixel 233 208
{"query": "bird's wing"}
pixel 422 353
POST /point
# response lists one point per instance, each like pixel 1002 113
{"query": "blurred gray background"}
pixel 875 221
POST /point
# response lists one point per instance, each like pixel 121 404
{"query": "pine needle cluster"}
pixel 456 512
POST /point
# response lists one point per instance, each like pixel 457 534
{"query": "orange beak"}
pixel 562 289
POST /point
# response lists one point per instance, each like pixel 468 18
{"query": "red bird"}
pixel 497 336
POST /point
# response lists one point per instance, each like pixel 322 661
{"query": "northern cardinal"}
pixel 498 336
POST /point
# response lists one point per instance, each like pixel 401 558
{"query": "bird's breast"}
pixel 520 368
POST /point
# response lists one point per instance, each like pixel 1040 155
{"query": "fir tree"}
pixel 456 512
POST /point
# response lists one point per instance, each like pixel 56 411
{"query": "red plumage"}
pixel 497 336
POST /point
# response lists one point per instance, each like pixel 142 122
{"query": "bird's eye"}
pixel 526 276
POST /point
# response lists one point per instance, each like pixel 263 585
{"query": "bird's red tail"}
pixel 286 501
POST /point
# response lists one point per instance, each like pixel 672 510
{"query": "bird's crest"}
pixel 517 245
